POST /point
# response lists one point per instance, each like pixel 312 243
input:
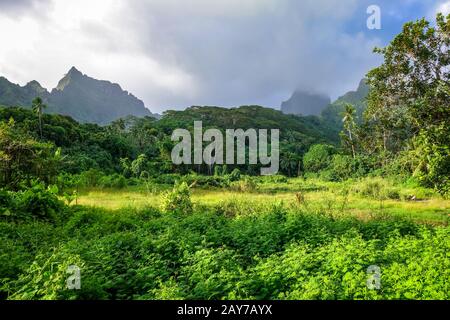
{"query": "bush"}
pixel 247 184
pixel 377 188
pixel 206 181
pixel 178 201
pixel 40 203
pixel 235 250
pixel 117 181
pixel 235 175
pixel 6 203
pixel 343 167
pixel 318 158
pixel 91 178
pixel 167 178
pixel 46 278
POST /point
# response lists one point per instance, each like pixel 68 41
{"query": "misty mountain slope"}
pixel 332 114
pixel 77 95
pixel 305 103
pixel 12 94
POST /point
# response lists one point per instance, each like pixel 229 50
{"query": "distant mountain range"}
pixel 83 98
pixel 308 104
pixel 89 100
pixel 332 114
pixel 305 104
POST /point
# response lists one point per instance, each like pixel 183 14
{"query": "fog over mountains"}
pixel 305 103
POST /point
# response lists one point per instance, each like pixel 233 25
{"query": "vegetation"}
pixel 358 187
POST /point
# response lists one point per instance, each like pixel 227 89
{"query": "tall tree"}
pixel 348 135
pixel 410 96
pixel 38 107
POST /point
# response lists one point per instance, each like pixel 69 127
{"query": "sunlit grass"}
pixel 317 196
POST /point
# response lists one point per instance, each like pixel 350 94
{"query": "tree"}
pixel 138 165
pixel 22 158
pixel 38 107
pixel 318 158
pixel 410 97
pixel 347 135
pixel 289 162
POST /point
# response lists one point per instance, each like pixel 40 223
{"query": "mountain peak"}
pixel 74 71
pixel 91 100
pixel 77 95
pixel 35 86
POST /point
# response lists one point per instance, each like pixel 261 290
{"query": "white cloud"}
pixel 176 53
pixel 444 8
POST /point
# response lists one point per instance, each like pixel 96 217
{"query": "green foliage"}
pixel 178 201
pixel 91 178
pixel 39 202
pixel 277 252
pixel 115 181
pixel 34 203
pixel 318 158
pixel 138 165
pixel 235 175
pixel 433 154
pixel 377 188
pixel 6 203
pixel 45 279
pixel 408 105
pixel 239 249
pixel 246 184
pixel 22 158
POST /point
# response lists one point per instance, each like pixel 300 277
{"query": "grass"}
pixel 316 196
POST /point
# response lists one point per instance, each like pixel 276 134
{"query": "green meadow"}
pixel 353 198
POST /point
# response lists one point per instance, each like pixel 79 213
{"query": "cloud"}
pixel 17 7
pixel 443 7
pixel 174 54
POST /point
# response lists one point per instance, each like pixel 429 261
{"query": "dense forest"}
pixel 215 232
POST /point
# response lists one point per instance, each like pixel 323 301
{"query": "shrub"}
pixel 377 188
pixel 343 167
pixel 245 185
pixel 113 181
pixel 318 158
pixel 46 278
pixel 235 175
pixel 178 201
pixel 91 178
pixel 6 203
pixel 40 203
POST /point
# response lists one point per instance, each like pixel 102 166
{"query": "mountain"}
pixel 14 95
pixel 332 115
pixel 305 103
pixel 77 95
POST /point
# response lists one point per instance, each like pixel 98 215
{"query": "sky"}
pixel 176 53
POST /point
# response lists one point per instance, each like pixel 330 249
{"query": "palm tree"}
pixel 289 162
pixel 38 107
